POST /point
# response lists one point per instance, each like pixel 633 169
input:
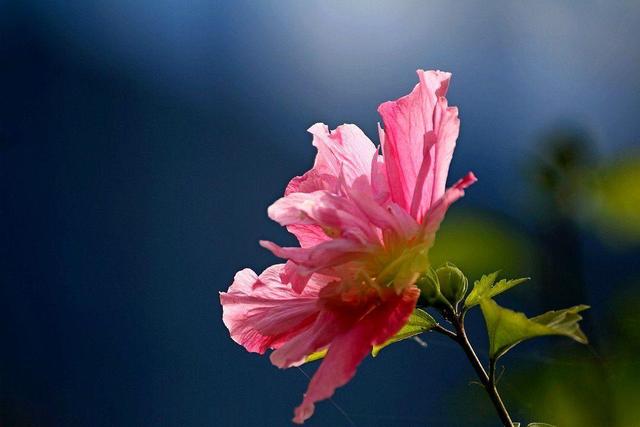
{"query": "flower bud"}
pixel 453 283
pixel 429 286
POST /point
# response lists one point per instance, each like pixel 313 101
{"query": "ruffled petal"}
pixel 335 214
pixel 295 275
pixel 326 327
pixel 347 350
pixel 261 312
pixel 446 128
pixel 326 254
pixel 309 234
pixel 345 150
pixel 389 219
pixel 311 181
pixel 418 142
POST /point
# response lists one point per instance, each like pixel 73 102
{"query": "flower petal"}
pixel 309 234
pixel 348 349
pixel 389 219
pixel 333 213
pixel 419 139
pixel 311 181
pixel 379 181
pixel 292 353
pixel 326 254
pixel 344 150
pixel 261 312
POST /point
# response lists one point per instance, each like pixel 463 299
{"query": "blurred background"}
pixel 142 141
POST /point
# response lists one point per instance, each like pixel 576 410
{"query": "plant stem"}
pixel 487 380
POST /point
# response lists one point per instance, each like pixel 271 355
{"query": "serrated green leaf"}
pixel 564 322
pixel 480 288
pixel 420 321
pixel 487 288
pixel 507 328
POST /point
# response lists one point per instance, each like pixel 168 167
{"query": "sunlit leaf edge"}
pixel 555 322
pixel 486 287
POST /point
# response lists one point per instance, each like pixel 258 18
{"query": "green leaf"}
pixel 507 328
pixel 420 321
pixel 485 288
pixel 564 322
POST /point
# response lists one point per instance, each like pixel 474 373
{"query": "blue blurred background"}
pixel 141 142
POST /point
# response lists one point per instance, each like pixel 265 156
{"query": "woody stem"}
pixel 487 380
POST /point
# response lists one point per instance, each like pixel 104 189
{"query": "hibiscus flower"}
pixel 365 221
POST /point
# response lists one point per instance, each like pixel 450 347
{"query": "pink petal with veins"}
pixel 420 136
pixel 261 312
pixel 347 349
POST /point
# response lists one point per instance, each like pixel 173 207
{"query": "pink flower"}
pixel 365 223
